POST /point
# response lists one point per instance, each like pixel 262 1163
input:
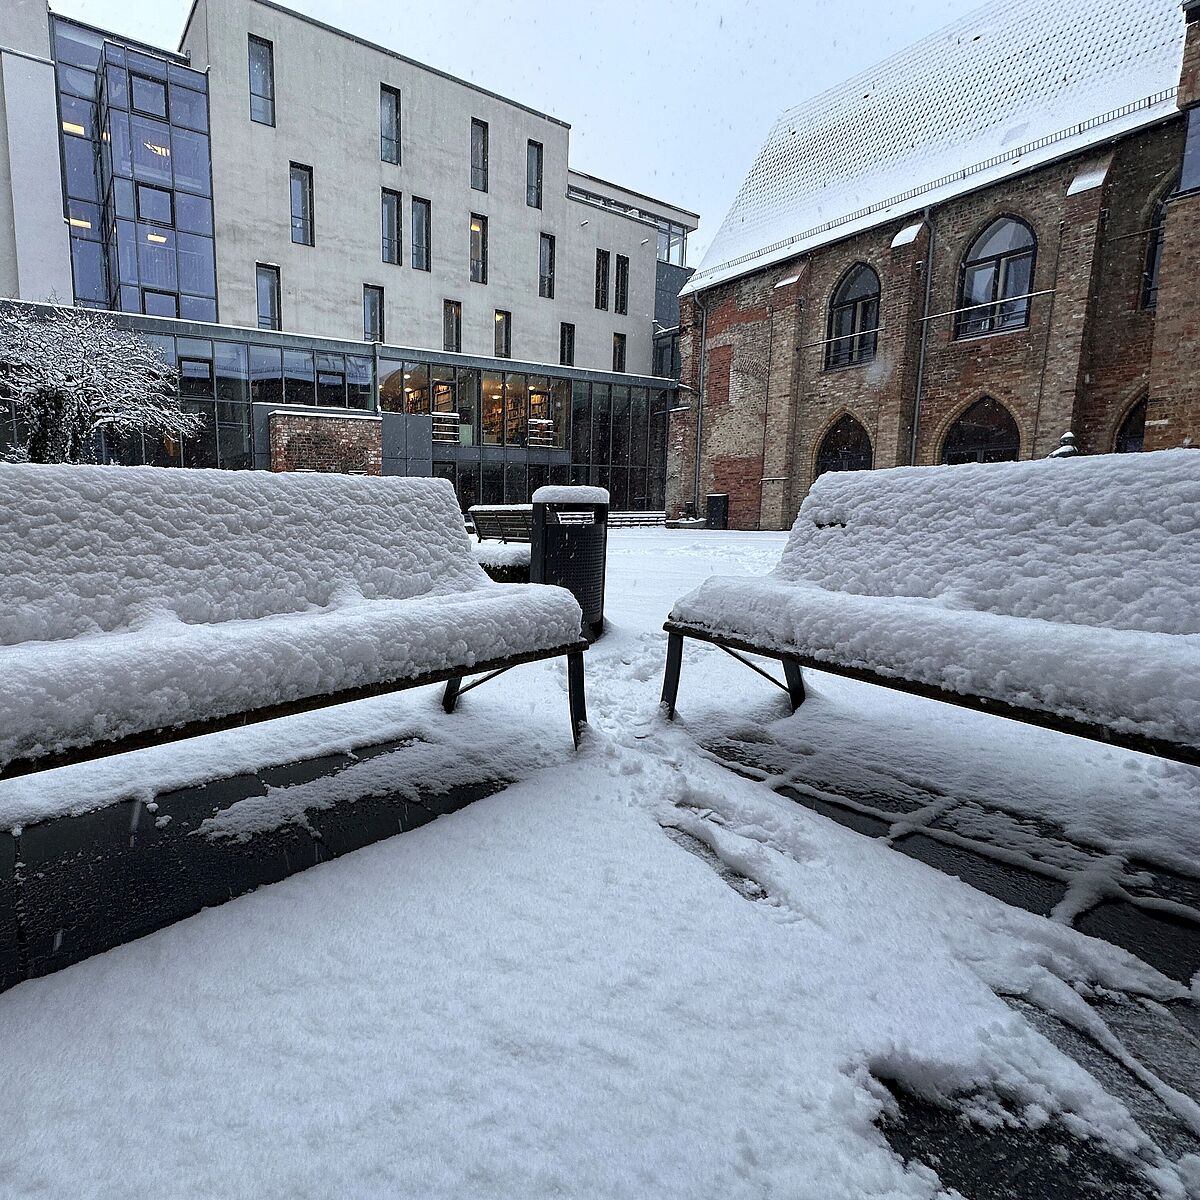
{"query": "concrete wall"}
pixel 35 255
pixel 1081 363
pixel 327 117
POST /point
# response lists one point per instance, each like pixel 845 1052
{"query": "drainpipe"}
pixel 700 396
pixel 912 450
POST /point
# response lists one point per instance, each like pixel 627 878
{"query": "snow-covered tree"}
pixel 69 373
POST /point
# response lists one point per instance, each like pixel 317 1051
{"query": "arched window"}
pixel 1133 429
pixel 1154 249
pixel 853 319
pixel 846 447
pixel 997 277
pixel 986 432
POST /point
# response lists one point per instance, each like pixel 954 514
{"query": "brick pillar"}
pixel 318 442
pixel 785 309
pixel 1173 411
pixel 681 429
pixel 1061 401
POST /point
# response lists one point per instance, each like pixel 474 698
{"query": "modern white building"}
pixel 385 199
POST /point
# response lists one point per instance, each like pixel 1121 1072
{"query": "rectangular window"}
pixel 148 96
pixel 262 81
pixel 479 155
pixel 389 123
pixel 618 352
pixel 159 304
pixel 479 248
pixel 421 234
pixel 372 313
pixel 452 326
pixel 534 157
pixel 503 334
pixel 602 279
pixel 267 282
pixel 390 214
pixel 155 205
pixel 566 344
pixel 546 267
pixel 302 204
pixel 621 292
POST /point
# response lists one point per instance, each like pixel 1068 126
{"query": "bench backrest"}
pixel 88 549
pixel 504 523
pixel 1108 540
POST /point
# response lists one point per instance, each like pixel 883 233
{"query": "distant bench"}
pixel 140 605
pixel 1063 593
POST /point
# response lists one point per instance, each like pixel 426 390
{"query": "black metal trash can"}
pixel 718 510
pixel 570 549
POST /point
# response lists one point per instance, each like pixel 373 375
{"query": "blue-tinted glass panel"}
pixel 189 109
pixel 148 96
pixel 123 198
pixel 143 64
pixel 151 150
pixel 298 377
pixel 156 258
pixel 77 47
pixel 84 219
pixel 232 370
pixel 191 161
pixel 159 304
pixel 197 271
pixel 266 375
pixel 117 87
pixel 76 81
pixel 193 214
pixel 78 116
pixel 359 391
pixel 87 259
pixel 154 204
pixel 80 161
pixel 118 147
pixel 197 308
pixel 127 263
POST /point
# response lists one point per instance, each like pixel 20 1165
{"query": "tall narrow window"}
pixel 621 288
pixel 853 332
pixel 503 334
pixel 566 344
pixel 422 227
pixel 262 81
pixel 602 279
pixel 389 123
pixel 1158 234
pixel 534 157
pixel 997 276
pixel 479 155
pixel 372 313
pixel 546 267
pixel 618 352
pixel 479 248
pixel 266 280
pixel 390 214
pixel 452 326
pixel 302 204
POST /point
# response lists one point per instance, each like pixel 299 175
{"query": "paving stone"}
pixel 1014 885
pixel 1166 942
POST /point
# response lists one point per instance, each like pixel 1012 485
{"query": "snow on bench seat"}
pixel 136 598
pixel 1068 586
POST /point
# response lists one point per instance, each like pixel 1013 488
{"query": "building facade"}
pixel 976 306
pixel 357 262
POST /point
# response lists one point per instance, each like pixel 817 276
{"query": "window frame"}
pixel 452 326
pixel 375 292
pixel 479 169
pixel 253 41
pixel 603 259
pixel 503 333
pixel 621 286
pixel 620 347
pixel 305 223
pixel 479 263
pixel 566 344
pixel 546 265
pixel 422 253
pixel 138 77
pixel 269 271
pixel 138 188
pixel 986 322
pixel 393 237
pixel 391 94
pixel 861 342
pixel 1152 265
pixel 535 166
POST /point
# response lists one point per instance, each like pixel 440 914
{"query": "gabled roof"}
pixel 1013 85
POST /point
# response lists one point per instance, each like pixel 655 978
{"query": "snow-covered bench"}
pixel 141 604
pixel 1065 593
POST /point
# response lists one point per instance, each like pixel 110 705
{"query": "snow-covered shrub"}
pixel 69 373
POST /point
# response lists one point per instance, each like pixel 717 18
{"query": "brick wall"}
pixel 1083 360
pixel 316 442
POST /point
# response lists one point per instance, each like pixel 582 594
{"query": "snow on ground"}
pixel 543 994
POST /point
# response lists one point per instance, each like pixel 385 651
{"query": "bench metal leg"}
pixel 450 695
pixel 795 682
pixel 575 694
pixel 670 692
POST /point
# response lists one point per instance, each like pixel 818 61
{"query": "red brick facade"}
pixel 1088 354
pixel 312 442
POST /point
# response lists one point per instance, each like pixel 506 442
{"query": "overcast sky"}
pixel 669 98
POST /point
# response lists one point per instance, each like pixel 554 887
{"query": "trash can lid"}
pixel 565 494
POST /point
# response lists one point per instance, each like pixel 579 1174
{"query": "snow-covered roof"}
pixel 1013 85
